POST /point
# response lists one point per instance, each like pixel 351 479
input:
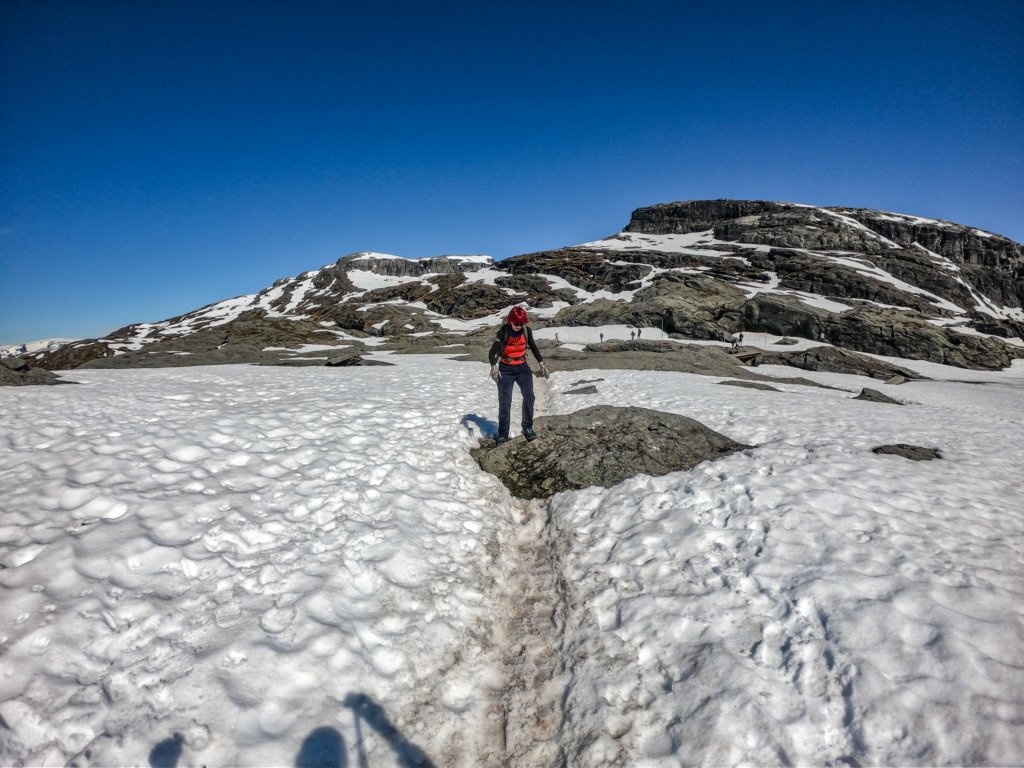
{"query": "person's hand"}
pixel 543 371
pixel 495 374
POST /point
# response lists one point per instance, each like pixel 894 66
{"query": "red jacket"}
pixel 510 346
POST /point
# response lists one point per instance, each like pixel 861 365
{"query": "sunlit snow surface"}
pixel 233 553
pixel 247 556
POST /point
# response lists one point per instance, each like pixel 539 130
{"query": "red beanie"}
pixel 518 316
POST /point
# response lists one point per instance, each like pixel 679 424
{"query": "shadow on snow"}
pixel 325 747
pixel 487 427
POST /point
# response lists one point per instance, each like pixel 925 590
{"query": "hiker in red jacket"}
pixel 507 357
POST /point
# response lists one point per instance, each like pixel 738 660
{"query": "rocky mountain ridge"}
pixel 858 279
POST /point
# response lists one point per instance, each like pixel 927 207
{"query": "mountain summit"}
pixel 853 278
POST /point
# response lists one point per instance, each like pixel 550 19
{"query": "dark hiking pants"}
pixel 511 375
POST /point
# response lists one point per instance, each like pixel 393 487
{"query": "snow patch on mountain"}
pixel 688 244
pixel 31 347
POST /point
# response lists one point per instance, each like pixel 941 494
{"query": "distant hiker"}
pixel 632 335
pixel 602 338
pixel 556 339
pixel 507 357
pixel 638 333
pixel 737 339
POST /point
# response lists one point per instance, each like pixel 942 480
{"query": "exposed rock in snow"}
pixel 751 385
pixel 602 446
pixel 837 361
pixel 874 396
pixel 912 452
pixel 15 372
pixel 591 390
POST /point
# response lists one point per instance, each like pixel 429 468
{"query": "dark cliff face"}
pixel 396 267
pixel 961 244
pixel 991 264
pixel 696 215
pixel 758 222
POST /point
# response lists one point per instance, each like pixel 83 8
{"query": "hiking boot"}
pixel 529 434
pixel 501 439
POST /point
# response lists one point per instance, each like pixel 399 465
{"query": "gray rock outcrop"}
pixel 344 360
pixel 751 385
pixel 397 267
pixel 833 360
pixel 591 270
pixel 912 452
pixel 874 396
pixel 601 446
pixel 589 390
pixel 16 372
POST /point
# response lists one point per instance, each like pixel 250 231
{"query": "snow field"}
pixel 246 556
pixel 233 553
pixel 804 602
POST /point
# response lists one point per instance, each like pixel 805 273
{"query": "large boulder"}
pixel 874 396
pixel 601 446
pixel 16 372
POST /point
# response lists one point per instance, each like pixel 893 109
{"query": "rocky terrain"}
pixel 855 280
pixel 601 445
pixel 15 372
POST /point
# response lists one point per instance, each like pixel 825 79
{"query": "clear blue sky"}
pixel 158 156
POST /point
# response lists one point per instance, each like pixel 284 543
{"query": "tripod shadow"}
pixel 486 427
pixel 367 711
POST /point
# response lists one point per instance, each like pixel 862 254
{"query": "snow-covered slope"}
pixel 32 347
pixel 275 566
pixel 295 297
pixel 865 280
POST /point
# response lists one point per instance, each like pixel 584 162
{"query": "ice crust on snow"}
pixel 234 553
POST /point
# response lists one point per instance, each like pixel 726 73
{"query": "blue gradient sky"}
pixel 157 156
